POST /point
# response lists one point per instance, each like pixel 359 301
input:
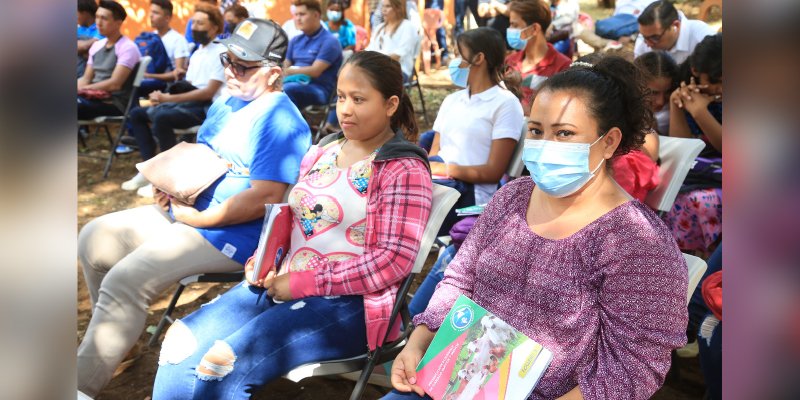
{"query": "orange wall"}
pixel 138 13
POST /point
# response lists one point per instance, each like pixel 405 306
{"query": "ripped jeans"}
pixel 243 340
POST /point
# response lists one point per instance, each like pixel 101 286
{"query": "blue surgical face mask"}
pixel 334 16
pixel 457 74
pixel 513 36
pixel 559 169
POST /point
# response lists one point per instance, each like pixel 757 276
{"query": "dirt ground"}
pixel 97 197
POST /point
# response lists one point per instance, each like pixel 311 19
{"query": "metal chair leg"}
pixel 422 101
pixel 363 379
pixel 166 317
pixel 114 147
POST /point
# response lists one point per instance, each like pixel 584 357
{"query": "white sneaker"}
pixel 135 183
pixel 146 191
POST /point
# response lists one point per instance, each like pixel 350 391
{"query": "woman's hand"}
pixel 161 198
pixel 278 286
pixel 248 273
pixel 404 370
pixel 185 213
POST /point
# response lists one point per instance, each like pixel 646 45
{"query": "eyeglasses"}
pixel 238 69
pixel 656 38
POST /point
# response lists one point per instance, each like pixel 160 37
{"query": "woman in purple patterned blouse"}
pixel 566 256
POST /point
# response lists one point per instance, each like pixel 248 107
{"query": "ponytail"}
pixel 405 119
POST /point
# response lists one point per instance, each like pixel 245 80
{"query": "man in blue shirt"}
pixel 87 32
pixel 313 58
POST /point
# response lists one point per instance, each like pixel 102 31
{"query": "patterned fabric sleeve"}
pixel 459 277
pixel 643 312
pixel 403 206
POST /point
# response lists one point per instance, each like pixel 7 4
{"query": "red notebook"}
pixel 276 234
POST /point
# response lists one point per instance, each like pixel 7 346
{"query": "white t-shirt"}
pixel 468 125
pixel 403 43
pixel 176 46
pixel 692 32
pixel 632 7
pixel 204 65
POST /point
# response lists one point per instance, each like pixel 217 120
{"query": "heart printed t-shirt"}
pixel 329 208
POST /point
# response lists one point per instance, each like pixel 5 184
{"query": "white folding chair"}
pixel 677 157
pixel 697 267
pixel 137 81
pixel 443 200
pixel 515 165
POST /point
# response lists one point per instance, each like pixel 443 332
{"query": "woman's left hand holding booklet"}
pixel 273 244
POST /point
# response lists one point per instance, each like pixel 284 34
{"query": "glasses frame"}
pixel 653 39
pixel 238 70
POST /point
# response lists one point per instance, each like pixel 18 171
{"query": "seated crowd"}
pixel 564 253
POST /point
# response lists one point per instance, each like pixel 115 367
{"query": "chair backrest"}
pixel 515 165
pixel 443 200
pixel 677 157
pixel 697 267
pixel 140 70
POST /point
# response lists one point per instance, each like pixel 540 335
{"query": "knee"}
pixel 179 343
pixel 217 363
pixel 139 114
pixel 94 249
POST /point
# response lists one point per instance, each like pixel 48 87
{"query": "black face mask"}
pixel 200 37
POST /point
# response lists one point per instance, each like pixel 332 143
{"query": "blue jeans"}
pixel 711 362
pixel 304 95
pixel 395 395
pixel 425 291
pixel 90 109
pixel 461 12
pixel 165 118
pixel 259 341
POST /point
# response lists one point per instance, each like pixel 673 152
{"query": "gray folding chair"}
pixel 103 121
pixel 122 120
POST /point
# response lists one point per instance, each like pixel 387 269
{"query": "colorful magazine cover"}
pixel 476 355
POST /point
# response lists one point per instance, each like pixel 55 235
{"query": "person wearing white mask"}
pixel 477 127
pixel 341 27
pixel 534 59
pixel 590 267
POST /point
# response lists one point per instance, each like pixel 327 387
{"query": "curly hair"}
pixel 614 91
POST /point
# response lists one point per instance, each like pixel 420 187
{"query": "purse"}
pixel 184 171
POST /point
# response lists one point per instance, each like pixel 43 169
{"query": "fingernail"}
pixel 412 380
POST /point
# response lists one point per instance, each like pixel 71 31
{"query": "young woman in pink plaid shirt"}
pixel 360 208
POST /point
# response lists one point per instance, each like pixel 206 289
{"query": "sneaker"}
pixel 612 45
pixel 146 191
pixel 124 149
pixel 129 140
pixel 689 351
pixel 134 183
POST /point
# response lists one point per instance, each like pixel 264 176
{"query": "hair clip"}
pixel 581 64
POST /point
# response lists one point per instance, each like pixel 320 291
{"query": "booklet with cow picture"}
pixel 476 355
pixel 276 234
